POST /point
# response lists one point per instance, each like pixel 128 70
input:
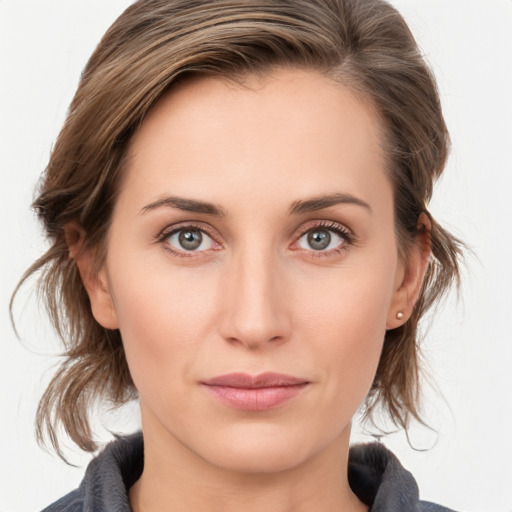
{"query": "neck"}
pixel 174 478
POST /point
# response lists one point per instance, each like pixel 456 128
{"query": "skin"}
pixel 255 296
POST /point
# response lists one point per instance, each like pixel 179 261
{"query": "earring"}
pixel 399 315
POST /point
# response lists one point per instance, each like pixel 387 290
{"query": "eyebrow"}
pixel 187 205
pixel 321 202
pixel 298 207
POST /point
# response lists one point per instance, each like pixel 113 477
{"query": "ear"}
pixel 95 281
pixel 410 276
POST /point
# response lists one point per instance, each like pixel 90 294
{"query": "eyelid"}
pixel 332 225
pixel 173 228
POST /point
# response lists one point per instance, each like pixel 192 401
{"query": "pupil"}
pixel 319 240
pixel 190 240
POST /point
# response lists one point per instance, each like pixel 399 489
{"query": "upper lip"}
pixel 263 380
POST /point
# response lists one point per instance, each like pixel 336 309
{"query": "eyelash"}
pixel 340 230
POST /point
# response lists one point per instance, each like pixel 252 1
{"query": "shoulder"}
pixel 107 479
pixel 380 481
pixel 72 502
pixel 427 506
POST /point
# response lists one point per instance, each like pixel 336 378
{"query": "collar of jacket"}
pixel 374 473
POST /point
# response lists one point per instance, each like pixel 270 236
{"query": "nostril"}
pixel 255 342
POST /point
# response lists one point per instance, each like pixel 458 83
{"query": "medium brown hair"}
pixel 363 44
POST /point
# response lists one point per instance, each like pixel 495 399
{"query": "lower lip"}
pixel 257 399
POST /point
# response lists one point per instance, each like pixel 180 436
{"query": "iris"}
pixel 319 240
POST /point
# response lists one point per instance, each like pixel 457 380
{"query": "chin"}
pixel 258 457
pixel 261 449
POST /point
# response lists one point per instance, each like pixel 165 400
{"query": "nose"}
pixel 255 309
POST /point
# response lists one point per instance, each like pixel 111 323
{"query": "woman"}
pixel 237 204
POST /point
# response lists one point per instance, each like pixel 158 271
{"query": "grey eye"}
pixel 189 239
pixel 319 239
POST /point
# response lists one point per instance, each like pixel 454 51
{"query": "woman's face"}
pixel 253 235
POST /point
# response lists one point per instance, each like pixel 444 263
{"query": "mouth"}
pixel 255 392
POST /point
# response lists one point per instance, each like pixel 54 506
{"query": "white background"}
pixel 43 47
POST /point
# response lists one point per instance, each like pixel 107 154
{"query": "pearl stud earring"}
pixel 400 315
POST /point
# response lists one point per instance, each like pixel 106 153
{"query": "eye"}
pixel 189 239
pixel 324 238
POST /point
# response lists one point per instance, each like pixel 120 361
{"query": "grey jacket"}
pixel 374 474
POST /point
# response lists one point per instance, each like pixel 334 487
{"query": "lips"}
pixel 255 392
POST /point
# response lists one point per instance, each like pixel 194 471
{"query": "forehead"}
pixel 293 129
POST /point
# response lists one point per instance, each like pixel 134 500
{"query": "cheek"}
pixel 352 301
pixel 164 319
pixel 345 317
